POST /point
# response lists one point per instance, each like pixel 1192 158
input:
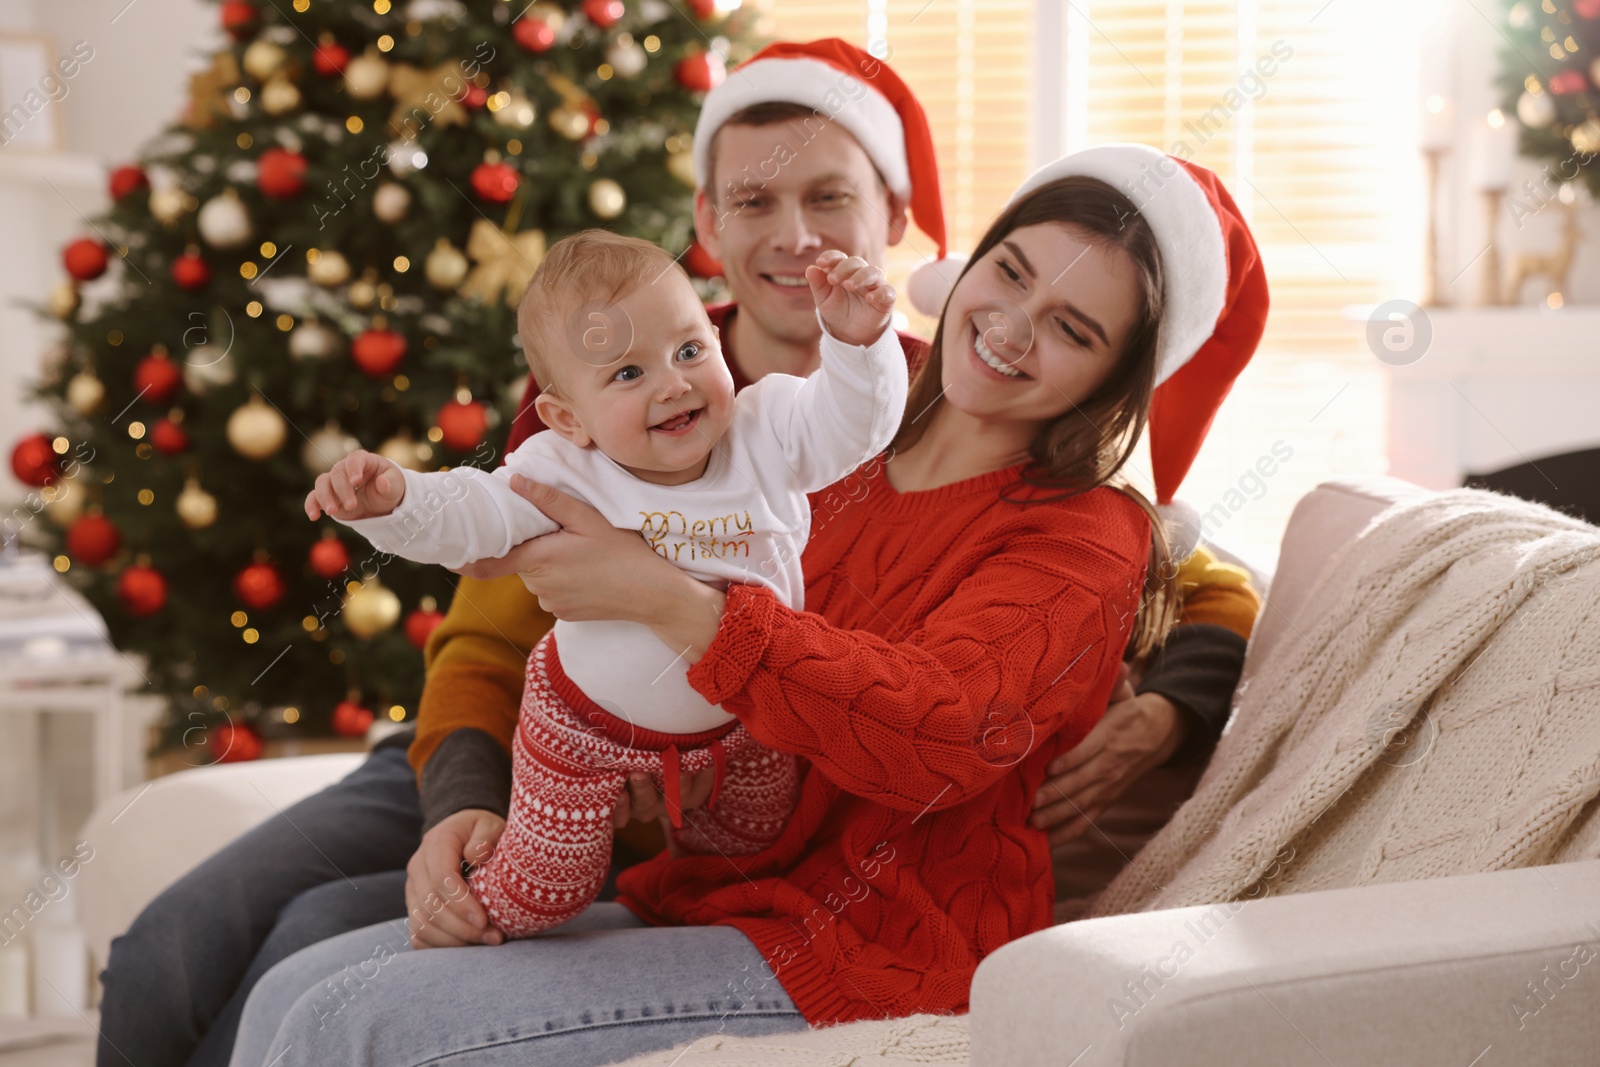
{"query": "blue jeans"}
pixel 600 988
pixel 176 982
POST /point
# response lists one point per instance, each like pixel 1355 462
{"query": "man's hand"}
pixel 853 297
pixel 360 486
pixel 641 800
pixel 1136 734
pixel 441 911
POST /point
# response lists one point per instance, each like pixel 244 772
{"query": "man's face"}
pixel 779 195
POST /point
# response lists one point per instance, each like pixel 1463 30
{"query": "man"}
pixel 803 148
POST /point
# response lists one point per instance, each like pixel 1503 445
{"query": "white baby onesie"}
pixel 745 520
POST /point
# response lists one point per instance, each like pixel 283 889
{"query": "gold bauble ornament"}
pixel 570 122
pixel 326 447
pixel 370 609
pixel 196 507
pixel 256 430
pixel 85 392
pixel 626 58
pixel 64 299
pixel 223 221
pixel 280 95
pixel 1586 138
pixel 505 262
pixel 681 166
pixel 518 112
pixel 263 59
pixel 313 340
pixel 363 292
pixel 606 198
pixel 64 500
pixel 329 269
pixel 169 205
pixel 404 451
pixel 390 202
pixel 367 75
pixel 445 266
pixel 205 367
pixel 551 15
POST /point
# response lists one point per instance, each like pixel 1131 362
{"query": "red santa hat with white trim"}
pixel 1215 291
pixel 853 88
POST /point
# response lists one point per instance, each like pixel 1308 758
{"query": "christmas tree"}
pixel 1549 73
pixel 325 253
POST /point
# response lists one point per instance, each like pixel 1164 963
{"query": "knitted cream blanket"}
pixel 1436 711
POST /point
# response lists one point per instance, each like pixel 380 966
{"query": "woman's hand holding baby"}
pixel 360 486
pixel 853 297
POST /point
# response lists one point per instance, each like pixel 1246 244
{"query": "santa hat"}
pixel 1215 299
pixel 853 88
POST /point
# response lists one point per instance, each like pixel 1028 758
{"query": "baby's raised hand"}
pixel 360 486
pixel 853 297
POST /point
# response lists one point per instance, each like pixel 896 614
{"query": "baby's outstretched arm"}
pixel 451 518
pixel 360 486
pixel 854 299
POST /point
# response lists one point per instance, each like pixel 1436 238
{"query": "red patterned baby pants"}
pixel 570 761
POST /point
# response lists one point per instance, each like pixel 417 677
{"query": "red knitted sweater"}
pixel 972 640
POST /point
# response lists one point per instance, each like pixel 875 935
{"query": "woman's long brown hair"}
pixel 1086 446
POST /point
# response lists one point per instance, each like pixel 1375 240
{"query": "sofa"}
pixel 1477 970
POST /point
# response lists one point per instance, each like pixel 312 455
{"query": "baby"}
pixel 644 426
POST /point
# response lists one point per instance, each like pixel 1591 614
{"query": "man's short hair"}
pixel 589 266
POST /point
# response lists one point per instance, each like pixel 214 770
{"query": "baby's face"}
pixel 659 407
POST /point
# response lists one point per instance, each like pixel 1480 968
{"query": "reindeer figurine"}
pixel 1554 266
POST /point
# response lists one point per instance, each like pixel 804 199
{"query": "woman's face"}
pixel 1034 327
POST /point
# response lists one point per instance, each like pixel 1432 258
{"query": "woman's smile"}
pixel 992 365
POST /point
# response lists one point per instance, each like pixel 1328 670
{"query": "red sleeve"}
pixel 1027 647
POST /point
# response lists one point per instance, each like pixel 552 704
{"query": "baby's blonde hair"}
pixel 590 265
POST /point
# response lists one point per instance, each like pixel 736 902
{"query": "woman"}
pixel 970 606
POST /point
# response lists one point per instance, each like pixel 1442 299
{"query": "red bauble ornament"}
pixel 475 97
pixel 351 719
pixel 1568 82
pixel 239 18
pixel 462 424
pixel 330 58
pixel 378 352
pixel 141 590
pixel 85 259
pixel 701 72
pixel 157 378
pixel 700 263
pixel 329 558
pixel 168 437
pixel 34 461
pixel 190 272
pixel 495 182
pixel 93 539
pixel 703 9
pixel 258 586
pixel 1587 9
pixel 125 181
pixel 534 35
pixel 421 623
pixel 281 173
pixel 603 13
pixel 235 742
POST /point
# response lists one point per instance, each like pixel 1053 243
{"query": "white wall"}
pixel 136 81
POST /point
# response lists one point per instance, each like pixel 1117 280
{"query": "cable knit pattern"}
pixel 1438 713
pixel 971 641
pixel 568 769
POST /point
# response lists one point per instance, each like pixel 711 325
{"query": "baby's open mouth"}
pixel 679 422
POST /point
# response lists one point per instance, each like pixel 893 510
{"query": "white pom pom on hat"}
pixel 1215 289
